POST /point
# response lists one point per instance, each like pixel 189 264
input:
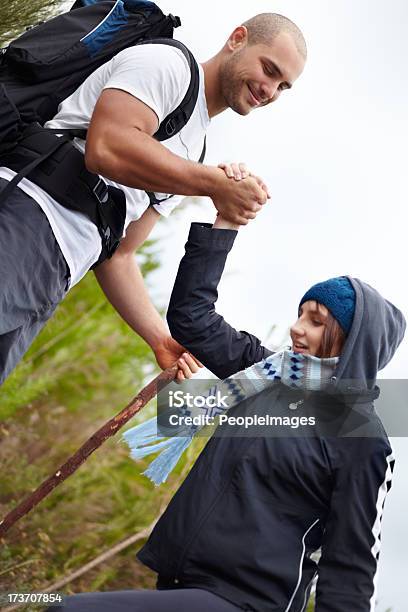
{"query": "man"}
pixel 48 248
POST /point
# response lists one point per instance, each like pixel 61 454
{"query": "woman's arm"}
pixel 351 546
pixel 191 316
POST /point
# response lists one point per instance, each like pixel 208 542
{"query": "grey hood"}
pixel 376 332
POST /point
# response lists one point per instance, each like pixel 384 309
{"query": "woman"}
pixel 240 532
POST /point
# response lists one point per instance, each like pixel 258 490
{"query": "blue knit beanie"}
pixel 339 297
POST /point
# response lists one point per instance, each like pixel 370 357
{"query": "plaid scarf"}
pixel 292 369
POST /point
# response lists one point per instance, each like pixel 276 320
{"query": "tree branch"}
pixel 107 430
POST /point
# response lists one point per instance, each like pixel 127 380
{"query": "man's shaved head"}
pixel 264 28
pixel 262 57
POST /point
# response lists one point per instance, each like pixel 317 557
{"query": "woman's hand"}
pixel 239 171
pixel 187 366
pixel 170 352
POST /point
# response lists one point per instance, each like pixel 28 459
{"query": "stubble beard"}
pixel 232 85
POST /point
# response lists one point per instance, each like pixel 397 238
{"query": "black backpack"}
pixel 44 66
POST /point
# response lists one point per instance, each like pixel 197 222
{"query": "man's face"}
pixel 255 75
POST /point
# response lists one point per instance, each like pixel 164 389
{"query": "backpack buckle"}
pixel 174 20
pixel 101 192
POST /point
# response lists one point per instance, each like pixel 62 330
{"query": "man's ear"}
pixel 238 38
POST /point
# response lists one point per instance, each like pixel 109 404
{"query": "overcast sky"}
pixel 333 151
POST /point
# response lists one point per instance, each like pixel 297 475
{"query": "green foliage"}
pixel 84 354
pixel 83 368
pixel 16 16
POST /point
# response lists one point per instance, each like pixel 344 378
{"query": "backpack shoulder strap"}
pixel 153 200
pixel 178 118
pixel 204 151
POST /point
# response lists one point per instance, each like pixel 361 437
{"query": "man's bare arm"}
pixel 122 282
pixel 120 147
pixel 123 285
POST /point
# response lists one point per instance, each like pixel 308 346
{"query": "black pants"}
pixel 34 276
pixel 176 600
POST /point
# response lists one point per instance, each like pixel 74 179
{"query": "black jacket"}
pixel 252 511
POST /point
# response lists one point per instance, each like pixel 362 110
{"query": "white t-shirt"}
pixel 159 76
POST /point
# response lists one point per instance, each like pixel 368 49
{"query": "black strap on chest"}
pixel 58 167
pixel 154 200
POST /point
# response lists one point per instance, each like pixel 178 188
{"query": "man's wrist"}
pixel 156 333
pixel 156 340
pixel 209 180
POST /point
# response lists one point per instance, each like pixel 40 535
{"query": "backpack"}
pixel 45 65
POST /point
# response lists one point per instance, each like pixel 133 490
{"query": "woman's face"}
pixel 307 332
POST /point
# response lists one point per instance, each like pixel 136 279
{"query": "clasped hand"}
pixel 239 194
